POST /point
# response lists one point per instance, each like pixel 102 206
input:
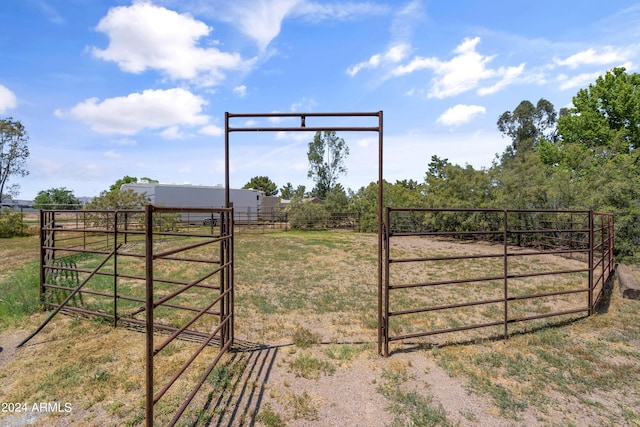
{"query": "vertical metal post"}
pixel 387 247
pixel 224 219
pixel 380 235
pixel 148 234
pixel 43 239
pixel 591 242
pixel 126 227
pixel 604 250
pixel 84 234
pixel 505 272
pixel 115 270
pixel 226 159
pixel 611 241
pixel 230 276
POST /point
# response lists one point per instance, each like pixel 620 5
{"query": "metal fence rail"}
pixel 515 279
pixel 120 265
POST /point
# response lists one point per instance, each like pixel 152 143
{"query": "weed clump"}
pixel 304 338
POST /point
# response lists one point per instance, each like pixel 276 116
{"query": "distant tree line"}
pixel 582 157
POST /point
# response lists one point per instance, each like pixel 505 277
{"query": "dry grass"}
pixel 307 302
pixel 16 252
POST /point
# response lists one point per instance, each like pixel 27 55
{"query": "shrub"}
pixel 304 216
pixel 12 224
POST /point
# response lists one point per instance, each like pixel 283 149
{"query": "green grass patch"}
pixel 304 338
pixel 309 367
pixel 270 418
pixel 19 295
pixel 410 408
pixel 344 351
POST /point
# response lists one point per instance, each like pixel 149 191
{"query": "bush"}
pixel 305 216
pixel 12 224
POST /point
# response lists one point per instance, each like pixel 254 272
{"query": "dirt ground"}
pixel 348 397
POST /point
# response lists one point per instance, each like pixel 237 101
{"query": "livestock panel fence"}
pixel 463 272
pixel 151 270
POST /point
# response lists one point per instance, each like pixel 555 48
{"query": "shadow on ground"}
pixel 240 401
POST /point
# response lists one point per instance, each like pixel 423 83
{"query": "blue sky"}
pixel 108 88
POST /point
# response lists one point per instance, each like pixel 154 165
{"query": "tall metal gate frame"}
pixel 304 128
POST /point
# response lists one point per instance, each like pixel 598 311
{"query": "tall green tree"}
pixel 286 192
pixel 56 198
pixel 599 140
pixel 526 125
pixel 262 183
pixel 521 177
pixel 327 153
pixel 14 152
pixel 130 180
pixel 606 115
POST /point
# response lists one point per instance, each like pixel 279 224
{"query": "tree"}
pixel 448 185
pixel 117 200
pixel 599 140
pixel 606 115
pixel 526 125
pixel 336 199
pixel 13 154
pixel 286 192
pixel 262 183
pixel 129 180
pixel 327 153
pixel 56 198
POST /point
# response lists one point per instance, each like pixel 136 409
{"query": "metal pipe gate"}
pixel 119 265
pixel 522 241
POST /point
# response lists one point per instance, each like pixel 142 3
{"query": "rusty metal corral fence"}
pixel 150 269
pixel 523 268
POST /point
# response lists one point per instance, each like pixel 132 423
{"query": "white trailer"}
pixel 246 203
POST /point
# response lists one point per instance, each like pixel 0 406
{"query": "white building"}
pixel 247 203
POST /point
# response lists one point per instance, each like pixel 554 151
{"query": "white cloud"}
pixel 241 91
pixel 367 142
pixel 293 136
pixel 143 36
pixel 172 132
pixel 509 75
pixel 261 20
pixel 462 73
pixel 112 154
pixel 151 109
pixel 394 54
pixel 342 10
pixel 7 99
pixel 606 55
pixel 580 80
pixel 405 19
pixel 52 14
pixel 401 29
pixel 585 79
pixel 460 114
pixel 305 104
pixel 211 130
pixel 125 142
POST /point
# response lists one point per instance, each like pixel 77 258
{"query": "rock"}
pixel 629 282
